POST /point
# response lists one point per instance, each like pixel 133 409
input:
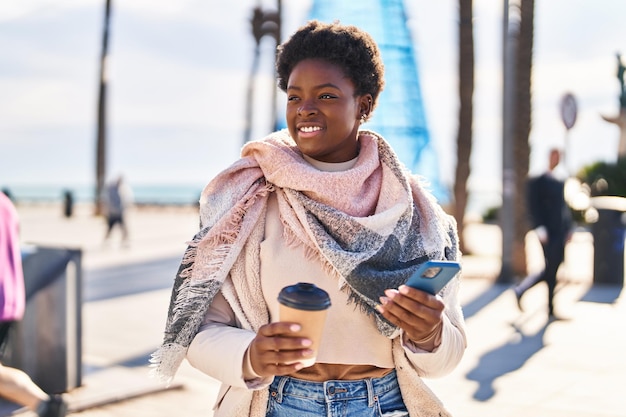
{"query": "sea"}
pixel 147 194
pixel 479 202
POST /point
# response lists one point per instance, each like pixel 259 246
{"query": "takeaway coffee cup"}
pixel 305 304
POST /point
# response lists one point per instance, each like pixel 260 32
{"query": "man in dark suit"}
pixel 551 219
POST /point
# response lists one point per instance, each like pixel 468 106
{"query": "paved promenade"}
pixel 517 363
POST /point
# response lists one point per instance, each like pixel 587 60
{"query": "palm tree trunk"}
pixel 464 135
pixel 101 139
pixel 521 147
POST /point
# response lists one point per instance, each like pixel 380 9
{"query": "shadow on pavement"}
pixel 483 300
pixel 503 360
pixel 139 361
pixel 105 283
pixel 607 294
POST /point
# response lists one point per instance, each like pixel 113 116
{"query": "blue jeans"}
pixel 371 397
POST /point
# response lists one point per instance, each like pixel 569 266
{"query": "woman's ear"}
pixel 365 106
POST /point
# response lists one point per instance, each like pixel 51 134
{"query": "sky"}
pixel 178 74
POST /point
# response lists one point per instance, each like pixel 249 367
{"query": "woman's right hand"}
pixel 276 351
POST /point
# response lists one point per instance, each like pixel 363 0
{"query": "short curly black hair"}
pixel 347 46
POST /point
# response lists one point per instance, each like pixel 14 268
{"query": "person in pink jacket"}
pixel 16 385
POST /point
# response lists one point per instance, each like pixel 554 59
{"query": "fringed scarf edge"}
pixel 194 290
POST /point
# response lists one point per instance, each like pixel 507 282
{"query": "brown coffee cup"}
pixel 307 305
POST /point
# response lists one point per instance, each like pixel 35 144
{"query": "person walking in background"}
pixel 325 202
pixel 16 385
pixel 116 199
pixel 551 218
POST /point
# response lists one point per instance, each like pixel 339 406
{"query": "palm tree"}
pixel 466 92
pixel 101 140
pixel 522 126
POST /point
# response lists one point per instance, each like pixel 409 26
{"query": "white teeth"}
pixel 309 129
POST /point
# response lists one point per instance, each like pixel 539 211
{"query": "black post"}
pixel 263 23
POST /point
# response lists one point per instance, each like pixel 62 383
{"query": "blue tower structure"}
pixel 399 115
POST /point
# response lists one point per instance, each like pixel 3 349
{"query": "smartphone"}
pixel 432 276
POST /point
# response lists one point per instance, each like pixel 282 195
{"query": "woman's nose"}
pixel 306 109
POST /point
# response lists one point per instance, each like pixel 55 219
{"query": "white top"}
pixel 346 326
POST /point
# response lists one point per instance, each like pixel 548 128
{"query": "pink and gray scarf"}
pixel 371 226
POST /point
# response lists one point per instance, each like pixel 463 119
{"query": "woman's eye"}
pixel 326 96
pixel 292 98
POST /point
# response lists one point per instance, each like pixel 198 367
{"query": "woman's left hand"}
pixel 416 312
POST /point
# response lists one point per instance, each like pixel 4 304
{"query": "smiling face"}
pixel 323 112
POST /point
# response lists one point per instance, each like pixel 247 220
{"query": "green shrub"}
pixel 491 214
pixel 605 178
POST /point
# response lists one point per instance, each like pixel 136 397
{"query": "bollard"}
pixel 47 342
pixel 609 232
